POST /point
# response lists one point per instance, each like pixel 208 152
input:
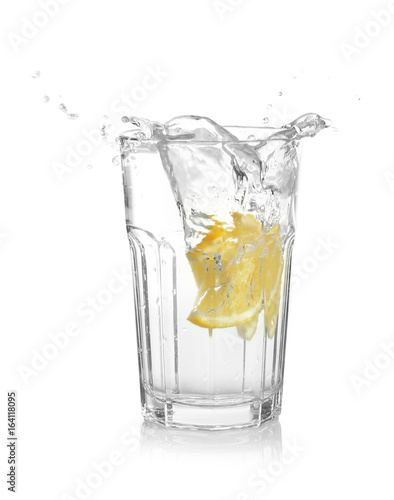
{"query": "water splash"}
pixel 307 125
pixel 215 171
pixel 105 126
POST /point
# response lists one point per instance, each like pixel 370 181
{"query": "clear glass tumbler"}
pixel 196 372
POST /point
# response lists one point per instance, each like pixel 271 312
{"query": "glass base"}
pixel 212 417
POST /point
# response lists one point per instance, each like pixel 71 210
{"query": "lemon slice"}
pixel 248 329
pixel 272 280
pixel 226 265
pixel 237 268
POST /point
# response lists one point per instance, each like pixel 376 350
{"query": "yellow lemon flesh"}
pixel 237 268
pixel 272 279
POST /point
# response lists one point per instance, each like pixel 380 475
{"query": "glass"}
pixel 195 371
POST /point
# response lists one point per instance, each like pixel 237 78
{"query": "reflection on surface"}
pixel 265 441
pixel 224 460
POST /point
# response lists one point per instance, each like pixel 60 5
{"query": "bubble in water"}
pixel 115 160
pixel 63 108
pixel 105 117
pixel 72 116
pixel 266 119
pixel 89 166
pixel 280 94
pixel 36 75
pixel 45 99
pixel 269 106
pixel 125 119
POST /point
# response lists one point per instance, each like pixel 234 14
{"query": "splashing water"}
pixel 215 171
pixel 70 116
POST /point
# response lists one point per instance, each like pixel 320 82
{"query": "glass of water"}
pixel 210 222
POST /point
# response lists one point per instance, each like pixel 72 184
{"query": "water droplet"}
pixel 358 98
pixel 63 108
pixel 105 117
pixel 280 94
pixel 266 119
pixel 45 99
pixel 72 116
pixel 269 106
pixel 115 160
pixel 37 74
pixel 89 166
pixel 125 119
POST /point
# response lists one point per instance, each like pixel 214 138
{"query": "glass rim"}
pixel 251 135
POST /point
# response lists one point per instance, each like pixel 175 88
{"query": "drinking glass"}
pixel 190 375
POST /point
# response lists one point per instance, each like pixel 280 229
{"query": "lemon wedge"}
pixel 237 268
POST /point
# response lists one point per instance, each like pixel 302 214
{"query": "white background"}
pixel 62 238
